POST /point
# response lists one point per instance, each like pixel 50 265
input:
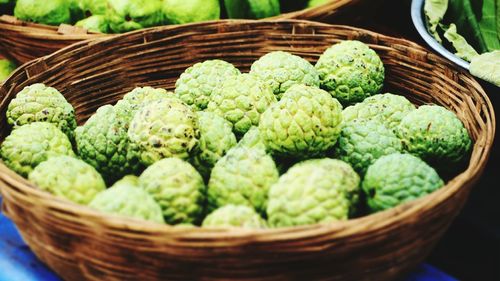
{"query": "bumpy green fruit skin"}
pixel 242 177
pixel 6 68
pixel 128 15
pixel 139 97
pixel 434 134
pixel 177 187
pixel 93 7
pixel 310 192
pixel 252 9
pixel 128 200
pixel 103 143
pixel 398 178
pixel 96 23
pixel 234 216
pixel 351 71
pixel 252 139
pixel 281 70
pixel 216 139
pixel 31 144
pixel 197 83
pixel 345 177
pixel 163 129
pixel 241 100
pixel 387 108
pixel 38 103
pixel 187 11
pixel 68 177
pixel 362 142
pixel 306 122
pixel 128 180
pixel 53 12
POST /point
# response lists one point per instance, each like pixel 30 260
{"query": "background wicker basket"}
pixel 25 41
pixel 80 244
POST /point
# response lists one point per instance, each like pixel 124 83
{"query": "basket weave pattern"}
pixel 81 244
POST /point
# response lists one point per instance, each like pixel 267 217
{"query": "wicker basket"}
pixel 81 244
pixel 26 41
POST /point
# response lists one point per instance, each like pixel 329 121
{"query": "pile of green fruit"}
pixel 286 144
pixel 118 16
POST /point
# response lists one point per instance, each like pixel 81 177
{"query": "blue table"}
pixel 18 263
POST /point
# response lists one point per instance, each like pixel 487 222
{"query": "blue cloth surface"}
pixel 18 263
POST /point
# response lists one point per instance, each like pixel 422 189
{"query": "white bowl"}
pixel 418 17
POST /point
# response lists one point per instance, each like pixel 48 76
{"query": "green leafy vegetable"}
pixel 464 50
pixel 497 7
pixel 461 13
pixel 488 25
pixel 487 67
pixel 434 11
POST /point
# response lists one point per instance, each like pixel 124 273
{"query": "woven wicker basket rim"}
pixel 50 32
pixel 344 228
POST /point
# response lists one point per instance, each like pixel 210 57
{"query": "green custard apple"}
pixel 346 177
pixel 235 216
pixel 252 9
pixel 31 144
pixel 434 134
pixel 103 143
pixel 361 142
pixel 96 23
pixel 281 70
pixel 252 139
pixel 6 68
pixel 93 7
pixel 128 15
pixel 39 103
pixel 350 71
pixel 51 12
pixel 305 123
pixel 128 179
pixel 138 98
pixel 241 100
pixel 69 178
pixel 387 108
pixel 398 178
pixel 216 139
pixel 197 83
pixel 163 129
pixel 242 177
pixel 128 200
pixel 177 187
pixel 310 192
pixel 187 11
